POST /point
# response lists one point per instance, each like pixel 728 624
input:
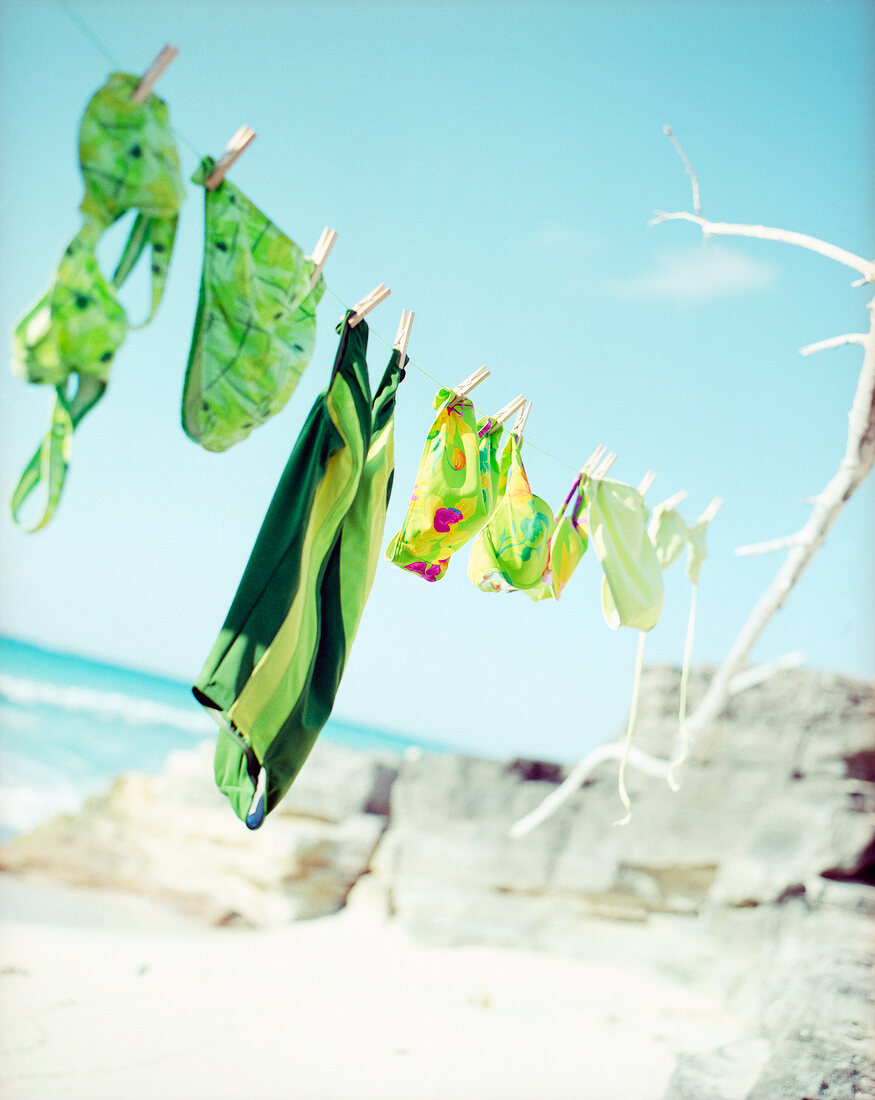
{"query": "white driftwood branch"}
pixel 688 168
pixel 834 342
pixel 767 547
pixel 758 674
pixel 853 469
pixel 767 233
pixel 614 750
pixel 826 507
pixel 644 762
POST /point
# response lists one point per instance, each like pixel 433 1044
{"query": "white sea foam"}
pixel 129 709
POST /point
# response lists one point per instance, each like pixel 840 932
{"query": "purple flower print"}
pixel 423 569
pixel 444 518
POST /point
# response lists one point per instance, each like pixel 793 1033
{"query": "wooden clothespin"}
pixel 473 380
pixel 606 463
pixel 235 147
pixel 671 502
pixel 377 295
pixel 593 460
pixel 508 410
pixel 320 253
pixel 151 76
pixel 520 423
pixel 711 511
pixel 646 482
pixel 402 336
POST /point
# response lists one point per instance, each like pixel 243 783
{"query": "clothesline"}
pixel 95 40
pixel 463 482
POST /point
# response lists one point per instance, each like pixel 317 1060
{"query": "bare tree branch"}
pixel 614 750
pixel 758 674
pixel 854 467
pixel 697 206
pixel 767 233
pixel 834 342
pixel 767 547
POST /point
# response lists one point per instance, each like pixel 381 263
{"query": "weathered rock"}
pixel 173 836
pixel 449 833
pixel 337 782
pixel 723 1074
pixel 803 980
pixel 817 1008
pixel 750 826
pixel 793 837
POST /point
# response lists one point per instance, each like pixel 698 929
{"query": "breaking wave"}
pixel 106 705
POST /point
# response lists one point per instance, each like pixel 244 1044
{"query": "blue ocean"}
pixel 68 726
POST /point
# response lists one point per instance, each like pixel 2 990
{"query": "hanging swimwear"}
pixel 255 327
pixel 456 488
pixel 512 550
pixel 669 535
pixel 632 586
pixel 695 543
pixel 568 544
pixel 129 161
pixel 696 549
pixel 275 668
pixel 632 589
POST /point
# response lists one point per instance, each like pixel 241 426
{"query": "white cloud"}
pixel 559 240
pixel 698 273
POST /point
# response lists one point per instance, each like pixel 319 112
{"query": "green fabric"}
pixel 128 155
pixel 669 535
pixel 128 160
pixel 632 590
pixel 77 327
pixel 568 544
pixel 255 327
pixel 567 547
pixel 456 489
pixel 512 550
pixel 275 668
pixel 696 550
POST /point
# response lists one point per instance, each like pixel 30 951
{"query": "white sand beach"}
pixel 106 995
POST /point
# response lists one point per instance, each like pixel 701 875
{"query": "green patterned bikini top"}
pixel 129 161
pixel 512 550
pixel 255 328
pixel 568 543
pixel 456 488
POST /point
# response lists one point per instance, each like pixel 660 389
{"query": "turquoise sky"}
pixel 496 165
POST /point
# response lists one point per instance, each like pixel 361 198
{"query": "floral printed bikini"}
pixel 456 490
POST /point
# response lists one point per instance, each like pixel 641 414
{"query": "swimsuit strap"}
pixel 52 457
pixel 581 500
pixel 578 486
pixel 160 234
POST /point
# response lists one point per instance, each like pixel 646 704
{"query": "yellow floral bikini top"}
pixel 456 490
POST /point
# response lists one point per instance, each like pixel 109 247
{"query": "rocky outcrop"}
pixel 777 799
pixel 775 796
pixel 768 844
pixel 172 836
pixel 803 980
